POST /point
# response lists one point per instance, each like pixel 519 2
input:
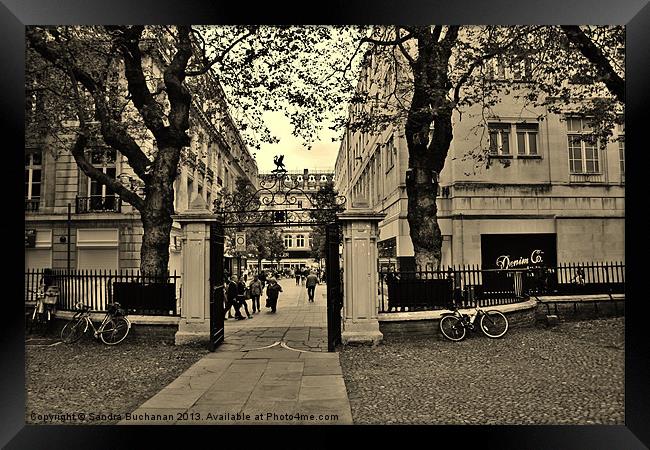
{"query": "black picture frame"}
pixel 15 14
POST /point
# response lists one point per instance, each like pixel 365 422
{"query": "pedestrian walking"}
pixel 311 282
pixel 231 298
pixel 241 297
pixel 256 290
pixel 262 277
pixel 297 277
pixel 273 292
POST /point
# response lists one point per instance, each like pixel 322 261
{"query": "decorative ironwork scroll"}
pixel 279 201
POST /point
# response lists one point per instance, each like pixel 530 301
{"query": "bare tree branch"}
pixel 220 58
pixel 594 55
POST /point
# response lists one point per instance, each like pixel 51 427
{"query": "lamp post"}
pixel 69 224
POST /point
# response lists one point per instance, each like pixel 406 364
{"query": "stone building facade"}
pixel 547 188
pixel 103 232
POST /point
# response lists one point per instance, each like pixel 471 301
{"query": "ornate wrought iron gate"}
pixel 334 285
pixel 275 203
pixel 216 286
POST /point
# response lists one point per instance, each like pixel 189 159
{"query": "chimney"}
pixel 306 171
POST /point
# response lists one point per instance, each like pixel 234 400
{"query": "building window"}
pixel 98 249
pixel 390 154
pixel 499 139
pixel 323 178
pixel 300 240
pixel 312 179
pixel 311 242
pixel 104 160
pixel 583 151
pixel 621 157
pixel 33 166
pixel 527 139
pixel 300 204
pixel 288 241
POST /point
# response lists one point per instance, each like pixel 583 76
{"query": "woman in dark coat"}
pixel 273 292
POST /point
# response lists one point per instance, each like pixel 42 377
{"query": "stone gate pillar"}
pixel 360 234
pixel 194 323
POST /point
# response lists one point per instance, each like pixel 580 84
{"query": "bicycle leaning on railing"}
pixel 111 331
pixel 454 325
pixel 44 309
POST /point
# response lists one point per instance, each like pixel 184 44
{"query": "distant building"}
pixel 298 240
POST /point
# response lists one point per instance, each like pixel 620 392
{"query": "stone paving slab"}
pixel 242 383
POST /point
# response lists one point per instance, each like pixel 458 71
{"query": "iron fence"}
pixel 138 294
pixel 470 285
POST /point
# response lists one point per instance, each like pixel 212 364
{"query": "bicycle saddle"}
pixel 83 307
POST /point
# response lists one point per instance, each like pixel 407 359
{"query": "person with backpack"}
pixel 273 292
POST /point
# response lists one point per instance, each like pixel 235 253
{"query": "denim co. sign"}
pixel 518 251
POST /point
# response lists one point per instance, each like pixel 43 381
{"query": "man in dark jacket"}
pixel 241 297
pixel 312 281
pixel 231 298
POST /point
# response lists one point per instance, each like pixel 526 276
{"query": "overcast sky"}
pixel 296 156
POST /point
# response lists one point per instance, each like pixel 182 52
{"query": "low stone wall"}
pixel 150 329
pixel 580 307
pixel 425 323
pixel 533 312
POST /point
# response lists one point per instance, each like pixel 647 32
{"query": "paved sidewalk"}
pixel 266 372
pixel 293 309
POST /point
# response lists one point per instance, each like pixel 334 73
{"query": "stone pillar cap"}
pixel 198 210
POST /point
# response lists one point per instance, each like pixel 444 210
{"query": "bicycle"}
pixel 44 309
pixel 454 325
pixel 113 329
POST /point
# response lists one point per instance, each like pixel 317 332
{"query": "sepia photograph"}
pixel 320 225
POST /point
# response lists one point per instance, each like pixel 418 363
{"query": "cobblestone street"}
pixel 570 374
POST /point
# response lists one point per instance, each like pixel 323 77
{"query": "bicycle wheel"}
pixel 74 329
pixel 494 324
pixel 452 328
pixel 115 330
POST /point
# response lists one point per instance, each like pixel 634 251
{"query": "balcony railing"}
pixel 98 203
pixel 31 205
pixel 587 178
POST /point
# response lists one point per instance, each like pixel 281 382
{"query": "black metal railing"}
pixel 465 286
pixel 98 203
pixel 138 294
pixel 31 205
pixel 578 279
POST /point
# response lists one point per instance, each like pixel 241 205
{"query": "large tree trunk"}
pixel 156 214
pixel 427 149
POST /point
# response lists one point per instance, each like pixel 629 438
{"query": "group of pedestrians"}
pixel 237 293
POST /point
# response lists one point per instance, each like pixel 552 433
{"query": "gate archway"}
pixel 276 204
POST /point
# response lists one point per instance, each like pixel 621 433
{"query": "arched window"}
pixel 288 241
pixel 300 178
pixel 312 178
pixel 323 178
pixel 300 240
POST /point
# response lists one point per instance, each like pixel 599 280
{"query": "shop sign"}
pixel 518 251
